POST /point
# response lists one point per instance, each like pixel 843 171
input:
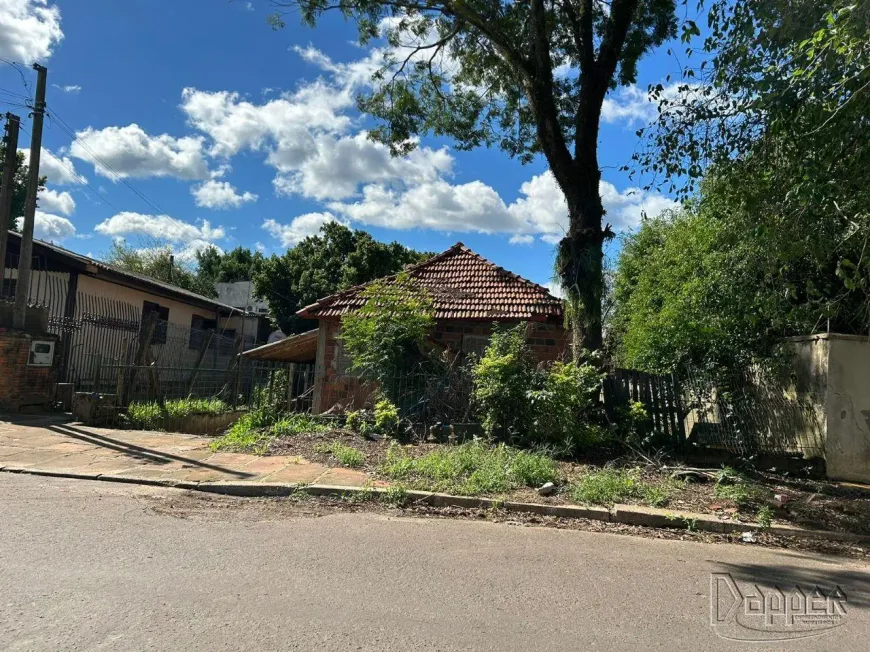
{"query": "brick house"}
pixel 469 293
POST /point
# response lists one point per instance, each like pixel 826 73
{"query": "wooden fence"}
pixel 660 395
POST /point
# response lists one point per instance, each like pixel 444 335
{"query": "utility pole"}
pixel 10 163
pixel 23 286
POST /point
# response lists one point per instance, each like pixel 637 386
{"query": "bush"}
pixel 502 379
pixel 472 468
pixel 386 418
pixel 567 409
pixel 557 408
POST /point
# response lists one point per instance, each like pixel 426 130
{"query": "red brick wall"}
pixel 547 343
pixel 20 384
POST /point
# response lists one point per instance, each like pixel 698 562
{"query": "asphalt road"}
pixel 98 566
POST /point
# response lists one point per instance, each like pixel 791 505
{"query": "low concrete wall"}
pixel 836 369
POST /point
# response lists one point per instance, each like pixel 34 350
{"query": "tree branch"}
pixel 581 30
pixel 621 15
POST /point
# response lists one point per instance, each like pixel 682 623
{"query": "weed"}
pixel 607 486
pixel 764 517
pixel 254 430
pixel 737 493
pixel 472 468
pixel 347 455
pixel 395 495
pixel 656 496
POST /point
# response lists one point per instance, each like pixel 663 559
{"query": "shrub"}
pixel 764 517
pixel 472 468
pixel 386 417
pixel 566 408
pixel 502 379
pixel 358 421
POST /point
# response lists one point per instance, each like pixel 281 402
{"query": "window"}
pixel 149 307
pixel 199 327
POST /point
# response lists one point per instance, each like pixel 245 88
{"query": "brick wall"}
pixel 337 386
pixel 22 385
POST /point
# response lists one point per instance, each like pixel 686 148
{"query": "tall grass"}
pixel 472 468
pixel 149 415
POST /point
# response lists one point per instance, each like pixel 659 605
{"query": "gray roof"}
pixel 158 287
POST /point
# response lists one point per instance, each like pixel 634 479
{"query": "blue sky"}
pixel 230 133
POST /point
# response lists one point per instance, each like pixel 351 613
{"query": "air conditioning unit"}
pixel 41 353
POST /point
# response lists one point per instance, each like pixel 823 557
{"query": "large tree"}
pixel 158 262
pixel 239 264
pixel 499 87
pixel 322 264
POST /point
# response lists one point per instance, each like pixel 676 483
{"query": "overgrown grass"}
pixel 254 430
pixel 472 468
pixel 609 486
pixel 347 455
pixel 148 415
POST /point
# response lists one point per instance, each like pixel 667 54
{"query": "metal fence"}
pixel 747 412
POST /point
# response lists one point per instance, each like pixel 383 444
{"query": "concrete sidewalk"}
pixel 52 443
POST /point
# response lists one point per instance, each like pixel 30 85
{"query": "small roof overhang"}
pixel 296 348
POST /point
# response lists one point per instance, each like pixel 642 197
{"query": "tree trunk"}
pixel 580 267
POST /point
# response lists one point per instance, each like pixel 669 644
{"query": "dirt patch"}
pixel 213 508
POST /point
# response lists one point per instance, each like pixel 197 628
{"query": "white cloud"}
pixel 50 227
pixel 159 227
pixel 56 202
pixel 301 227
pixel 220 194
pixel 521 239
pixel 335 167
pixel 71 88
pixel 131 152
pixel 57 169
pixel 283 124
pixel 29 29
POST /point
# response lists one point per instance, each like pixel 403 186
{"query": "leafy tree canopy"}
pixel 778 111
pixel 240 264
pixel 154 262
pixel 528 77
pixel 323 264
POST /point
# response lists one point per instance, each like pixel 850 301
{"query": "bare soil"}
pixel 811 504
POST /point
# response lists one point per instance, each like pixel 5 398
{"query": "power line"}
pixel 17 66
pixel 62 124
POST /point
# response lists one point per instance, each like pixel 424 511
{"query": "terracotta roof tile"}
pixel 463 285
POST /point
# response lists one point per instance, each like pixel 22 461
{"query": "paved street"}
pixel 100 566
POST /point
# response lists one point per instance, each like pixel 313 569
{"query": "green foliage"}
pixel 764 517
pixel 775 122
pixel 566 408
pixel 502 379
pixel 154 261
pixel 470 469
pixel 323 264
pixel 384 337
pixel 359 422
pixel 558 407
pixel 387 418
pixel 347 455
pixel 19 184
pixel 395 495
pixel 240 264
pixel 253 432
pixel 149 415
pixel 609 486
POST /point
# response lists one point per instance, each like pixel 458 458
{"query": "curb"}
pixel 623 514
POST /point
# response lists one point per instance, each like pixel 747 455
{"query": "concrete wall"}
pixel 240 295
pixel 836 369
